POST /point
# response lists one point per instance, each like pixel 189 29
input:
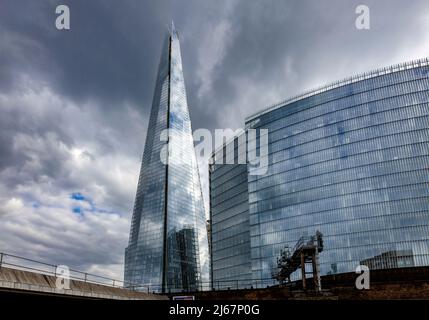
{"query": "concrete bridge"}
pixel 33 277
pixel 13 280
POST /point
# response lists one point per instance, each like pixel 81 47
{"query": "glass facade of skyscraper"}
pixel 352 161
pixel 229 216
pixel 168 247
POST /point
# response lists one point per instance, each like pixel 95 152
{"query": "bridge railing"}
pixel 26 264
pixel 31 265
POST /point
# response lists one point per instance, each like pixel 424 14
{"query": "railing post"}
pixel 1 259
pixel 86 276
pixel 114 282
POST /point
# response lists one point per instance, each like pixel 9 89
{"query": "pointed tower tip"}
pixel 172 29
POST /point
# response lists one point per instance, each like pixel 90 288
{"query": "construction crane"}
pixel 305 251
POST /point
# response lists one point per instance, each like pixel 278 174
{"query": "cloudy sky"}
pixel 74 105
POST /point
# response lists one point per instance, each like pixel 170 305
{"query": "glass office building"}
pixel 229 217
pixel 351 160
pixel 168 247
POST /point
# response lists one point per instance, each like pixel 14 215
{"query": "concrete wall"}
pixel 388 284
pixel 17 280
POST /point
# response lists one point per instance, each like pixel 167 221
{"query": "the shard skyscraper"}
pixel 168 248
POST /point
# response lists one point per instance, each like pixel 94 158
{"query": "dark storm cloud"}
pixel 292 46
pixel 112 50
pixel 108 53
pixel 75 104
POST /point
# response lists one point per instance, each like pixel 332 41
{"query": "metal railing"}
pixel 363 76
pixel 217 285
pixel 31 265
pixel 26 264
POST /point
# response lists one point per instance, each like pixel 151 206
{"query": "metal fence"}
pixel 25 264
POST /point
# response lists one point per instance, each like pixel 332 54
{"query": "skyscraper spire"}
pixel 172 28
pixel 168 247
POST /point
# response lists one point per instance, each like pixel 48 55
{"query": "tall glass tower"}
pixel 168 247
pixel 350 160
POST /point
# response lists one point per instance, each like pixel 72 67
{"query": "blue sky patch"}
pixel 92 207
pixel 78 211
pixel 78 196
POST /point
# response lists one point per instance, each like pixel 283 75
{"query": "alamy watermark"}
pixel 62 274
pixel 362 281
pixel 251 146
pixel 62 22
pixel 362 21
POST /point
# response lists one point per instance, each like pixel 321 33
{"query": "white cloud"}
pixel 211 54
pixel 60 148
pixel 213 48
pixel 57 235
pixel 11 206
